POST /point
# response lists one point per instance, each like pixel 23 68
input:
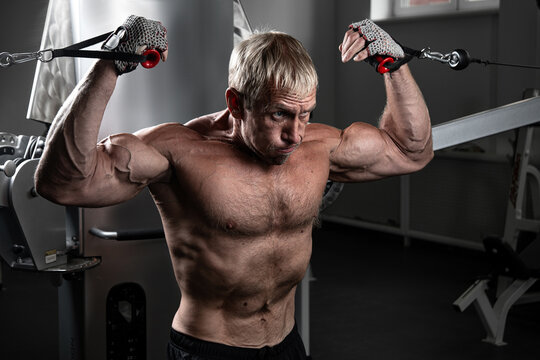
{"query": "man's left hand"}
pixel 366 41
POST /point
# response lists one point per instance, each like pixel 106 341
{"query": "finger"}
pixel 357 46
pixel 141 49
pixel 164 55
pixel 361 56
pixel 349 38
pixel 353 43
pixel 340 47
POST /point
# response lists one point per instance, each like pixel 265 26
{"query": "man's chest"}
pixel 238 194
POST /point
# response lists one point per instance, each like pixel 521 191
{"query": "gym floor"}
pixel 374 299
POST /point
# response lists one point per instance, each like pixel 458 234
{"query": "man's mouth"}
pixel 287 150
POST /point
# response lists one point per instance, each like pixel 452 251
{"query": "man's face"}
pixel 274 130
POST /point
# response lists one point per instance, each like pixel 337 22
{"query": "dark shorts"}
pixel 183 346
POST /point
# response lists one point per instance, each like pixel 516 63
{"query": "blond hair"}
pixel 271 61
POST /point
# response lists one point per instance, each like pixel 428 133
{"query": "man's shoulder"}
pixel 321 132
pixel 168 131
pixel 216 125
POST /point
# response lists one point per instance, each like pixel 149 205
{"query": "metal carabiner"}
pixel 114 39
pixel 8 59
pixel 45 55
pixel 433 55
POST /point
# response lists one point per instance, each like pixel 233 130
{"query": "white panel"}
pixel 190 83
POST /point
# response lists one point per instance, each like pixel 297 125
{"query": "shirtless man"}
pixel 238 191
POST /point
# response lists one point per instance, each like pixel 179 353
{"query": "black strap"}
pixel 95 54
pixel 89 42
pixel 411 52
pixel 75 51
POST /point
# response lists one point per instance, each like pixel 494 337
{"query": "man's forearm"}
pixel 70 151
pixel 406 117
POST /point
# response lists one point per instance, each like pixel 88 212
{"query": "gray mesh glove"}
pixel 136 35
pixel 384 53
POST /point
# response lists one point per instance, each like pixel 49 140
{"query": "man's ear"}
pixel 234 103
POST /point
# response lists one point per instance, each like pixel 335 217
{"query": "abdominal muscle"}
pixel 238 290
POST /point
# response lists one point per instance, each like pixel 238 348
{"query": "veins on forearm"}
pixel 73 134
pixel 405 118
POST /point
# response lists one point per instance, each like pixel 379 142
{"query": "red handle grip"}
pixel 383 61
pixel 152 58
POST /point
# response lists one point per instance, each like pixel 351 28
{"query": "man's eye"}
pixel 279 115
pixel 305 116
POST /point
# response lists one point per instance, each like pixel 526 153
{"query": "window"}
pixel 386 9
pixel 478 4
pixel 423 7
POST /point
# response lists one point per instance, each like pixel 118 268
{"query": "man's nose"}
pixel 293 132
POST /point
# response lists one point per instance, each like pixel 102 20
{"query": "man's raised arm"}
pixel 73 169
pixel 402 143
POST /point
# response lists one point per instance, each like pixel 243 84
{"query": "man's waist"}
pixel 207 347
pixel 216 322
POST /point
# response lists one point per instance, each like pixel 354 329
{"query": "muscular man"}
pixel 238 191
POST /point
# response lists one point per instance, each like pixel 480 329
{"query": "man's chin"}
pixel 281 157
pixel 279 160
pixel 273 158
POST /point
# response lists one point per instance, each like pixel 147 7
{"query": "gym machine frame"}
pixel 510 290
pixel 522 115
pixel 490 122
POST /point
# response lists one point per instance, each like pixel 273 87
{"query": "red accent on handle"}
pixel 152 58
pixel 383 61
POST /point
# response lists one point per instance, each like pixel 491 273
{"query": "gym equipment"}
pixel 522 115
pixel 468 128
pixel 120 52
pixel 242 27
pixel 490 122
pixel 508 263
pixel 17 197
pixel 35 236
pixel 137 32
pixel 8 59
pixel 512 276
pixel 387 55
pixel 459 59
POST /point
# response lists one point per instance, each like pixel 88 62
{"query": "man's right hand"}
pixel 135 36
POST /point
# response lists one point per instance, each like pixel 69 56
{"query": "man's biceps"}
pixel 361 146
pixel 350 165
pixel 128 154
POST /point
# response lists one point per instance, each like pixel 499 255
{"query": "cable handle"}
pixel 148 59
pixel 459 59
